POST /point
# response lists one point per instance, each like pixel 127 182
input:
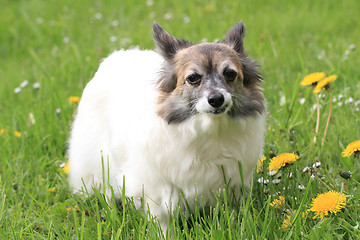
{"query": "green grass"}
pixel 59 44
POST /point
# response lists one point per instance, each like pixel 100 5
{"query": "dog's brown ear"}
pixel 235 35
pixel 167 44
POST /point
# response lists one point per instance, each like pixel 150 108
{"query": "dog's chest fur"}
pixel 123 129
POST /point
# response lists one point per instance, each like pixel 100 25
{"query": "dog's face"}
pixel 212 78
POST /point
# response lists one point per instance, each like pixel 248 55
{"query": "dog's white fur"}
pixel 117 122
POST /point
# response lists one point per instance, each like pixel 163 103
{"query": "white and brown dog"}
pixel 170 122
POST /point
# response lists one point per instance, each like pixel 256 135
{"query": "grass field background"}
pixel 56 46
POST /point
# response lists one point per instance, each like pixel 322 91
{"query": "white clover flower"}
pixel 272 173
pixel 186 19
pixel 39 20
pixel 168 16
pixel 302 101
pixel 31 120
pixel 98 16
pixel 262 180
pixel 17 90
pixel 149 3
pixel 349 100
pixel 113 39
pixel 125 41
pixel 36 85
pixel 316 164
pixel 301 187
pixel 66 40
pixel 24 83
pixel 321 55
pixel 276 181
pixel 352 47
pixel 115 23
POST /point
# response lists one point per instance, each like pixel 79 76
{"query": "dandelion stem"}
pixel 327 122
pixel 322 182
pixel 317 118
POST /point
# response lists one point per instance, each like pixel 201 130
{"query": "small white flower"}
pixel 306 169
pixel 24 83
pixel 261 180
pixel 149 3
pixel 321 55
pixel 340 104
pixel 352 47
pixel 340 97
pixel 276 181
pixel 115 23
pixel 204 40
pixel 357 103
pixel 186 19
pixel 272 173
pixel 17 90
pixel 36 85
pixel 316 164
pixel 113 39
pixel 282 99
pixel 39 20
pixel 349 100
pixel 98 16
pixel 334 99
pixel 125 42
pixel 31 120
pixel 58 111
pixel 357 109
pixel 62 165
pixel 301 187
pixel 168 16
pixel 66 40
pixel 312 176
pixel 302 101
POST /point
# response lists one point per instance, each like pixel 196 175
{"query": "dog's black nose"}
pixel 216 99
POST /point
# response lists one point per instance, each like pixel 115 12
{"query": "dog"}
pixel 157 125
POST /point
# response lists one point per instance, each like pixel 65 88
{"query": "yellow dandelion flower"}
pixel 73 100
pixel 312 78
pixel 2 131
pixel 66 168
pixel 324 83
pixel 281 160
pixel 278 203
pixel 331 201
pixel 286 223
pixel 352 148
pixel 68 209
pixel 17 134
pixel 260 163
pixel 287 220
pixel 53 189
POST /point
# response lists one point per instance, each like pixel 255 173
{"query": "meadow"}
pixel 50 49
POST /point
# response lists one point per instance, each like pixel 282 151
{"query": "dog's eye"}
pixel 230 75
pixel 194 79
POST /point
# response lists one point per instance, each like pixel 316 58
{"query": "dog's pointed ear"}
pixel 235 35
pixel 167 44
